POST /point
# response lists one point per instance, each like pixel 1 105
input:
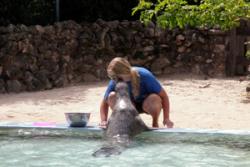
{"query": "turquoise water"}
pixel 67 151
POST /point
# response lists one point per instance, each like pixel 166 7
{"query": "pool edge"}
pixel 65 127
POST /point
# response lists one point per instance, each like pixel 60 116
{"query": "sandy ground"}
pixel 217 103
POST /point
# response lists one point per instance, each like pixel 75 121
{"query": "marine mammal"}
pixel 123 124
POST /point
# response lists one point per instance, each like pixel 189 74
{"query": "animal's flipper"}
pixel 107 151
pixel 141 123
pixel 138 126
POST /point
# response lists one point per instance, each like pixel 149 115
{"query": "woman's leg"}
pixel 153 105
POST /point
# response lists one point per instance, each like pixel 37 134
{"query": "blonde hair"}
pixel 121 66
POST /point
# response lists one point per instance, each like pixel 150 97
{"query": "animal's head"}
pixel 121 88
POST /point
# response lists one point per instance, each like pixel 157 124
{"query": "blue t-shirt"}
pixel 148 85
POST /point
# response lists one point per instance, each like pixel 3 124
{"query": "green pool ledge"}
pixel 92 131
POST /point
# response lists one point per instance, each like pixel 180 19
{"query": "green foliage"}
pixel 248 54
pixel 223 14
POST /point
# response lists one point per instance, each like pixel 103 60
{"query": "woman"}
pixel 145 91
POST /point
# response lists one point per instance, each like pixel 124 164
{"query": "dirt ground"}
pixel 215 103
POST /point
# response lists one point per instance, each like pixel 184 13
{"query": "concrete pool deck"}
pixel 5 126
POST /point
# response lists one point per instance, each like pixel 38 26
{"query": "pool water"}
pixel 37 151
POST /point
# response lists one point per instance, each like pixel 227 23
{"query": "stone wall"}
pixel 38 58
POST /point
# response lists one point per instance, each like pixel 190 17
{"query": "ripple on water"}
pixel 58 151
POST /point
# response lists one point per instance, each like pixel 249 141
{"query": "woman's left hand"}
pixel 168 123
pixel 103 124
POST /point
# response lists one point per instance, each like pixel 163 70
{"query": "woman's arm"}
pixel 165 107
pixel 104 106
pixel 104 112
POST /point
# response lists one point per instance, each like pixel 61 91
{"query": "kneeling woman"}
pixel 145 91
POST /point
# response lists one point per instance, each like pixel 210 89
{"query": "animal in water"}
pixel 123 124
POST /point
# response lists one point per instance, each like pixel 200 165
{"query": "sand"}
pixel 214 103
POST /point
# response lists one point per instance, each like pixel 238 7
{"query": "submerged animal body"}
pixel 123 124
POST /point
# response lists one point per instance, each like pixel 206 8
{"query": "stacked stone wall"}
pixel 44 57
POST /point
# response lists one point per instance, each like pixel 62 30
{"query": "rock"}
pixel 169 70
pixel 209 61
pixel 196 69
pixel 14 86
pixel 66 58
pixel 2 86
pixel 248 77
pixel 150 24
pixel 39 29
pixel 113 24
pixel 194 37
pixel 219 48
pixel 198 58
pixel 28 81
pixel 43 77
pixel 89 78
pixel 188 50
pixel 158 32
pixel 99 61
pixel 10 28
pixel 100 73
pixel 59 82
pixel 188 43
pixel 248 88
pixel 181 49
pixel 240 69
pixel 139 61
pixel 150 32
pixel 1 70
pixel 164 46
pixel 159 64
pixel 148 48
pixel 23 28
pixel 178 64
pixel 180 37
pixel 201 39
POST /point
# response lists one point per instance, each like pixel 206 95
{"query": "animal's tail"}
pixel 107 151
